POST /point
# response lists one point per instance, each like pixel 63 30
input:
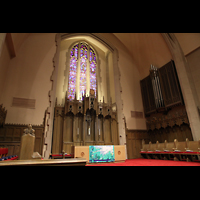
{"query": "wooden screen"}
pixel 169 86
pixel 147 95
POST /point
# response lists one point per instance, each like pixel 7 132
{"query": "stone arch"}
pixel 186 82
pixel 52 93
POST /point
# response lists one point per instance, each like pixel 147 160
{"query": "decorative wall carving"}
pixel 176 116
pixel 10 136
pixel 82 123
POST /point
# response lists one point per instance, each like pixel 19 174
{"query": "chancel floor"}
pixel 148 162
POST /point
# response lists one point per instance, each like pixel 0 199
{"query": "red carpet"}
pixel 148 162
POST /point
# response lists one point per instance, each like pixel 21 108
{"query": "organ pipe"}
pixel 156 87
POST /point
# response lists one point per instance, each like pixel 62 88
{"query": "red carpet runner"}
pixel 148 162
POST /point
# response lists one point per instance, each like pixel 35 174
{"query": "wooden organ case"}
pixel 164 108
pixel 84 123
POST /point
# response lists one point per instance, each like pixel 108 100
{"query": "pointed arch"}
pixel 48 129
pixel 82 70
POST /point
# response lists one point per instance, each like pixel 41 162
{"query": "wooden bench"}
pixel 151 150
pixel 144 149
pixel 192 151
pixel 180 151
pixel 160 148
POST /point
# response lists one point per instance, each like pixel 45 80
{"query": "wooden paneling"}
pixel 102 124
pixel 147 95
pixel 68 129
pixel 107 131
pixel 170 88
pixel 81 152
pixel 10 135
pixel 170 85
pixel 170 133
pixel 134 142
pixel 13 147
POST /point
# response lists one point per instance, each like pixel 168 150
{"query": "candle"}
pixel 99 132
pixel 89 131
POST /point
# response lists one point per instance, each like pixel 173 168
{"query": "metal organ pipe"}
pixel 161 98
pixel 156 87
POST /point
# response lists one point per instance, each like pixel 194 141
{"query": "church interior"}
pixel 81 90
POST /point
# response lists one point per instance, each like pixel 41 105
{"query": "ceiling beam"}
pixel 10 44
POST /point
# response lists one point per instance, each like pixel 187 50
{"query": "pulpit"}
pixel 27 146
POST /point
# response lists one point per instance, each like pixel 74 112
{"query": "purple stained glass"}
pixel 83 67
pixel 90 56
pixel 85 53
pixel 74 57
pixel 72 53
pixel 81 53
pixel 93 76
pixel 72 78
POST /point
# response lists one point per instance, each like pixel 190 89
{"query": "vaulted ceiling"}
pixel 145 48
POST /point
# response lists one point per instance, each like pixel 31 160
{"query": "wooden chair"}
pixel 161 146
pixel 160 149
pixel 151 150
pixel 192 150
pixel 143 151
pixel 179 150
pixel 168 150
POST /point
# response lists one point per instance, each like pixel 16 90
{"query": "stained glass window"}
pixel 72 78
pixel 93 71
pixel 82 85
pixel 87 61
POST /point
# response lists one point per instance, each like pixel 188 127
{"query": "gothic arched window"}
pixel 82 71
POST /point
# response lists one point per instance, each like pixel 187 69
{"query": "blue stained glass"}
pixel 76 52
pixel 81 53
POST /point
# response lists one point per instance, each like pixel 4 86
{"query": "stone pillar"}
pixel 27 147
pixel 49 116
pixel 119 102
pixel 186 82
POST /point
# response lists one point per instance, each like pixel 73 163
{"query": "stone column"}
pixel 186 82
pixel 119 102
